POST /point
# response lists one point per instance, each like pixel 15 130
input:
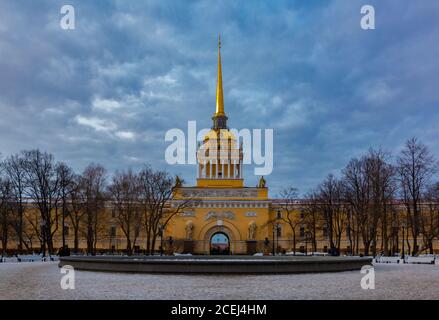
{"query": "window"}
pixel 113 213
pixel 302 215
pixel 112 231
pixel 279 231
pixel 66 229
pixel 279 214
pixel 325 231
pixel 302 232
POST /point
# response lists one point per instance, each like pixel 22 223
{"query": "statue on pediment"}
pixel 262 182
pixel 178 182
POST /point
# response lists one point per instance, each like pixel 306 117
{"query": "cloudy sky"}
pixel 108 91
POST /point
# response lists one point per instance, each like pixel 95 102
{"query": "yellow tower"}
pixel 226 217
pixel 220 156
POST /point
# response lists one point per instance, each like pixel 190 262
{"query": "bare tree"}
pixel 5 212
pixel 358 196
pixel 383 187
pixel 416 166
pixel 312 216
pixel 42 187
pixel 77 208
pixel 65 176
pixel 331 192
pixel 158 203
pixel 93 182
pixel 370 187
pixel 14 171
pixel 124 192
pixel 429 222
pixel 289 215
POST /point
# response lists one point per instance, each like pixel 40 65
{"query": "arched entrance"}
pixel 219 244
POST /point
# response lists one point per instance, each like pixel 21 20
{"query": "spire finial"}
pixel 219 85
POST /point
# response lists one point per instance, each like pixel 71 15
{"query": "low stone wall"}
pixel 216 264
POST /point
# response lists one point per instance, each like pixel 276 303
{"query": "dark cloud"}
pixel 108 91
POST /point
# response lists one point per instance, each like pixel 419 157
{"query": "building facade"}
pixel 227 217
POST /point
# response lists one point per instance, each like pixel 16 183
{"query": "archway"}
pixel 219 244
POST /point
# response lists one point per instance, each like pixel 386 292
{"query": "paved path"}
pixel 42 281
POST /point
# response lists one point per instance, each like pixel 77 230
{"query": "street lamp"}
pixel 403 241
pixel 274 230
pixel 307 238
pixel 170 241
pixel 395 242
pixel 161 239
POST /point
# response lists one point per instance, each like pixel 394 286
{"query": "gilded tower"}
pixel 226 217
pixel 220 155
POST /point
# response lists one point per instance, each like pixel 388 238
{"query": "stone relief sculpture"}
pixel 252 230
pixel 188 214
pixel 189 230
pixel 220 215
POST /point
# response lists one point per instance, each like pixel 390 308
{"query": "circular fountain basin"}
pixel 215 264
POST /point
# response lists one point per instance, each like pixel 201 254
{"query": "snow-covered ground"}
pixel 41 280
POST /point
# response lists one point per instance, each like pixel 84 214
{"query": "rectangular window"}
pixel 112 231
pixel 279 214
pixel 279 231
pixel 302 232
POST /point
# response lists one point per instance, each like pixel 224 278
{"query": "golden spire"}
pixel 219 85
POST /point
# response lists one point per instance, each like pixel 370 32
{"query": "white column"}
pixel 216 168
pixel 210 169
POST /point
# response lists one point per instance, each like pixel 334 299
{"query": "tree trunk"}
pixel 76 241
pixel 294 243
pixel 20 227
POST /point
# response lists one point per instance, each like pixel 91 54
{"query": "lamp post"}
pixel 403 241
pixel 161 239
pixel 307 238
pixel 170 241
pixel 274 230
pixel 43 236
pixel 395 242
